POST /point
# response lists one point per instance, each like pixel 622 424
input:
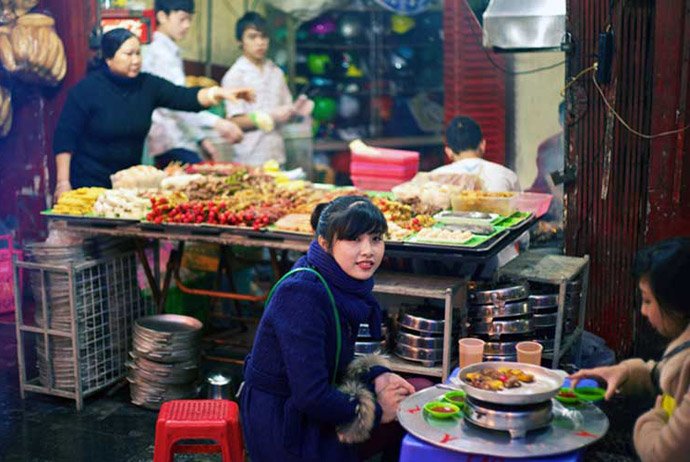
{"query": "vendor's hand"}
pixel 62 187
pixel 614 376
pixel 303 106
pixel 229 131
pixel 390 379
pixel 282 114
pixel 210 150
pixel 390 398
pixel 235 94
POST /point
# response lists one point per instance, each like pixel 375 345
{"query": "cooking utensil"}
pixel 545 386
pixel 502 310
pixel 425 356
pixel 543 300
pixel 499 327
pixel 516 420
pixel 510 358
pixel 363 331
pixel 366 348
pixel 425 320
pixel 485 293
pixel 418 341
pixel 544 320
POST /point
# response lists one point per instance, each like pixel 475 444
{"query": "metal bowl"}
pixel 485 293
pixel 406 338
pixel 545 386
pixel 488 312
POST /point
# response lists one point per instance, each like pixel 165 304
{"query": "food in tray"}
pixel 295 222
pixel 500 202
pixel 474 228
pixel 444 235
pixel 122 203
pixel 138 177
pixel 498 379
pixel 78 201
pixel 396 232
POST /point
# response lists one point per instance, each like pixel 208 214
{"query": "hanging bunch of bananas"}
pixel 5 111
pixel 31 49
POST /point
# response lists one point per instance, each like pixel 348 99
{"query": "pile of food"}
pixel 78 201
pixel 498 379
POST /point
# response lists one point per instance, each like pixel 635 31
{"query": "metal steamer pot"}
pixel 495 328
pixel 546 384
pixel 516 420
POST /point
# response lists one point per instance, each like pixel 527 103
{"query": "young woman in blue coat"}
pixel 304 397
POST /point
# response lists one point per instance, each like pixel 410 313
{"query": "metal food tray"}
pixel 546 384
pixel 502 326
pixel 406 338
pixel 572 428
pixel 485 246
pixel 423 321
pixel 497 294
pixel 90 220
pixel 363 331
pixel 426 356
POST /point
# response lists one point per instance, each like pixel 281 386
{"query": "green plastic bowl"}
pixel 441 409
pixel 565 399
pixel 590 394
pixel 456 397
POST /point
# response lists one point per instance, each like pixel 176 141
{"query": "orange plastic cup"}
pixel 471 351
pixel 529 352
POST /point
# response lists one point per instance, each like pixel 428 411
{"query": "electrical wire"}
pixel 580 74
pixel 625 124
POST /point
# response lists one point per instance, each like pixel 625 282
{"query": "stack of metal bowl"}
pixel 420 337
pixel 367 344
pixel 165 359
pixel 544 300
pixel 499 313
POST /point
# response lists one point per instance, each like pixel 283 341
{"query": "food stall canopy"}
pixel 527 25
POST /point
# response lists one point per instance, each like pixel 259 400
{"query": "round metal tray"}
pixel 499 348
pixel 426 356
pixel 503 326
pixel 516 420
pixel 563 435
pixel 363 331
pixel 543 300
pixel 544 320
pixel 405 338
pixel 507 358
pixel 488 312
pixel 424 320
pixel 498 293
pixel 545 386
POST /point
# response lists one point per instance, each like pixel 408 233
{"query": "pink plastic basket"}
pixel 537 203
pixel 7 251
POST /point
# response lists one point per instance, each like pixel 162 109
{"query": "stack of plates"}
pixel 165 365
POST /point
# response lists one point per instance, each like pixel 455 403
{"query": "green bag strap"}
pixel 336 315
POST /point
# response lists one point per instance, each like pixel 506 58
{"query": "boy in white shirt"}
pixel 465 147
pixel 175 135
pixel 273 105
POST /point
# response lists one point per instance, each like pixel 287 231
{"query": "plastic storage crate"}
pixel 82 324
pixel 7 253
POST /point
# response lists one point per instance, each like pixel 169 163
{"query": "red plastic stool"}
pixel 213 419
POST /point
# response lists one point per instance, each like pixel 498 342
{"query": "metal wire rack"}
pixel 81 329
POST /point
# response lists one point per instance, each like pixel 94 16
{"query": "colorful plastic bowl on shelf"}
pixel 567 396
pixel 441 409
pixel 456 397
pixel 590 394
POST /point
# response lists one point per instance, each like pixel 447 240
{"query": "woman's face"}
pixel 652 311
pixel 361 257
pixel 127 59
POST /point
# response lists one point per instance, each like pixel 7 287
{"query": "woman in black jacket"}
pixel 107 115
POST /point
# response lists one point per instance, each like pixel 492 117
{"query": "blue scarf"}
pixel 353 297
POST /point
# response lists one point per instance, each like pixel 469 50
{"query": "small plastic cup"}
pixel 471 351
pixel 529 352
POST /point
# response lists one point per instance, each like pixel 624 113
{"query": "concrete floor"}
pixel 42 428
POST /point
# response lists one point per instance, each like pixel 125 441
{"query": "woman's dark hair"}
pixel 347 218
pixel 250 20
pixel 666 267
pixel 462 134
pixel 168 6
pixel 111 41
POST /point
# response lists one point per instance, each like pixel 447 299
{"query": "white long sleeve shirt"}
pixel 172 129
pixel 271 91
